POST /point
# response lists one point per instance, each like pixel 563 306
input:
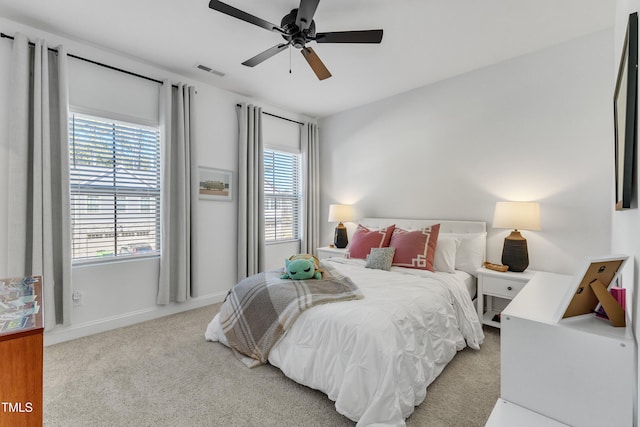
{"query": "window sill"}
pixel 111 260
pixel 282 242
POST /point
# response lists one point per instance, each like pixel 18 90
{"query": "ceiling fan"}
pixel 298 28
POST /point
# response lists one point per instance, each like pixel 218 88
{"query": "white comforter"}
pixel 375 357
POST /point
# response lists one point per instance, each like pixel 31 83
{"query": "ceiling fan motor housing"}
pixel 293 34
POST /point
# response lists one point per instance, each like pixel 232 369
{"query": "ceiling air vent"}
pixel 210 70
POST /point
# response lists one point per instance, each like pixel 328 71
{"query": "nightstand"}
pixel 329 251
pixel 496 284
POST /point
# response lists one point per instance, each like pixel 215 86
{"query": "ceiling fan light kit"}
pixel 298 28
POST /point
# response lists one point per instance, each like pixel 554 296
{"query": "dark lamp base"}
pixel 340 240
pixel 515 253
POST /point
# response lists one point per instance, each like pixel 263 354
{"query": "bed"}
pixel 375 356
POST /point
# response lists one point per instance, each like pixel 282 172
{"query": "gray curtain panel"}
pixel 178 194
pixel 39 218
pixel 251 240
pixel 311 174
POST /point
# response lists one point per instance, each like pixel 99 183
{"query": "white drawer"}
pixel 506 288
pixel 327 252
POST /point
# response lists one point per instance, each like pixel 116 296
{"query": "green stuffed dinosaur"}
pixel 302 267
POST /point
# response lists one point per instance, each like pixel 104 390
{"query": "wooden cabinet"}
pixel 21 348
pixel 578 371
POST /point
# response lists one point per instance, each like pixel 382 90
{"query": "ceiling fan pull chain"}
pixel 289 59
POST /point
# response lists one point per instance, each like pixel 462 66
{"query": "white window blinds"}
pixel 282 191
pixel 115 188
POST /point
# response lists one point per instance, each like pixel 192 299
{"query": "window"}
pixel 115 188
pixel 282 195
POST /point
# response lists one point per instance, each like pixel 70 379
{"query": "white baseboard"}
pixel 65 333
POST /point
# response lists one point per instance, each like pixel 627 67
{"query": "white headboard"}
pixel 446 226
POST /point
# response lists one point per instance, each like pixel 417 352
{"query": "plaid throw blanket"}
pixel 259 310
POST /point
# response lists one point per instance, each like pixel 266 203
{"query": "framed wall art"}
pixel 215 184
pixel 624 113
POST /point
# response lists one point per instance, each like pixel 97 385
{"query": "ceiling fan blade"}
pixel 360 36
pixel 265 55
pixel 315 63
pixel 306 10
pixel 237 13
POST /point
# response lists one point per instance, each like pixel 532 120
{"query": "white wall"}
pixel 124 292
pixel 5 65
pixel 626 223
pixel 537 127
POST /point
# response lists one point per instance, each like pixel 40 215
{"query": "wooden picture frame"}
pixel 583 297
pixel 624 112
pixel 215 184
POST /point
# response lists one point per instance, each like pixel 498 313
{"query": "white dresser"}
pixel 578 372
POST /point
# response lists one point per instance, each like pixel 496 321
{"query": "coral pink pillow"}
pixel 416 248
pixel 364 239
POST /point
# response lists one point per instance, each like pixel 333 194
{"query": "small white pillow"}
pixel 445 258
pixel 471 251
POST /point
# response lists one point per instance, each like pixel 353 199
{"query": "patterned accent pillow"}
pixel 380 258
pixel 416 248
pixel 364 239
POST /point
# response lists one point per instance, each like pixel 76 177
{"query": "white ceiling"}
pixel 424 41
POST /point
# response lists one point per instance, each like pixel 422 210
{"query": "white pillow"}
pixel 445 257
pixel 470 252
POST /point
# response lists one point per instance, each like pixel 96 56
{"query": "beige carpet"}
pixel 163 373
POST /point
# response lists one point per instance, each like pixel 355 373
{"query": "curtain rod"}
pixel 100 64
pixel 277 117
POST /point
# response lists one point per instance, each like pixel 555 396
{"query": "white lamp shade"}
pixel 340 213
pixel 517 215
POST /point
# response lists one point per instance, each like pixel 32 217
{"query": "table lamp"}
pixel 340 213
pixel 518 216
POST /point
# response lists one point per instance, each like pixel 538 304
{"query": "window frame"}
pixel 299 196
pixel 128 121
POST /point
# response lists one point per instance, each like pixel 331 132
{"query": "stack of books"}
pixel 18 303
pixel 619 294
